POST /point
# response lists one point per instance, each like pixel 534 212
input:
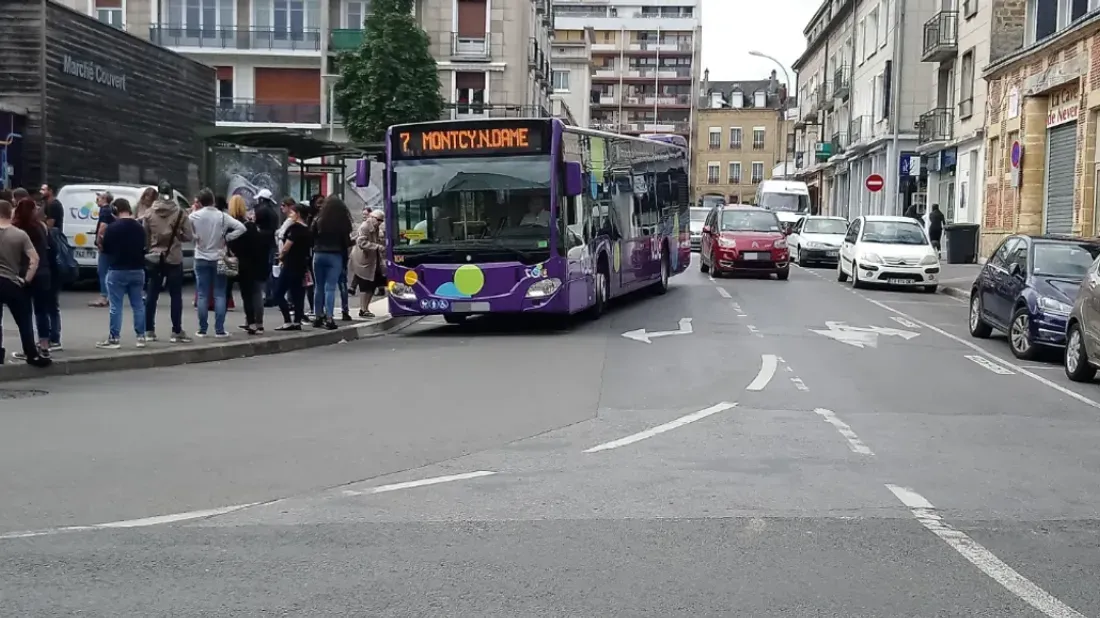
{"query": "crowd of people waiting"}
pixel 284 256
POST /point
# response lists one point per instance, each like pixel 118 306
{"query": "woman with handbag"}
pixel 253 266
pixel 167 227
pixel 213 229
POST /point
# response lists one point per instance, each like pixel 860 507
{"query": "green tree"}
pixel 392 78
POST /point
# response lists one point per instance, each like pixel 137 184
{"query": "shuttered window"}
pixel 1061 163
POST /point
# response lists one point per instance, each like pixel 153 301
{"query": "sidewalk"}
pixel 82 326
pixel 956 279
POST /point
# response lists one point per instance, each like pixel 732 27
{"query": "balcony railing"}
pixel 536 59
pixel 713 180
pixel 248 110
pixel 461 111
pixel 464 47
pixel 758 145
pixel 839 142
pixel 941 37
pixel 345 39
pixel 860 129
pixel 936 126
pixel 232 37
pixel 713 145
pixel 735 145
pixel 842 82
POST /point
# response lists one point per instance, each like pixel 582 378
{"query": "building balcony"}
pixel 537 60
pixel 606 46
pixel 467 111
pixel 663 72
pixel 466 47
pixel 937 125
pixel 839 142
pixel 941 37
pixel 221 38
pixel 860 129
pixel 564 52
pixel 249 111
pixel 345 39
pixel 656 47
pixel 842 82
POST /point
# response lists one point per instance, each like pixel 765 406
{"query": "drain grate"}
pixel 12 393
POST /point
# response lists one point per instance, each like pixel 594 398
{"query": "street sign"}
pixel 1017 154
pixel 875 183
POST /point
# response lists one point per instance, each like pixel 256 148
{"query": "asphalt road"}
pixel 754 467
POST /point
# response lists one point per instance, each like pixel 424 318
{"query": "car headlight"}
pixel 544 288
pixel 400 291
pixel 870 258
pixel 780 244
pixel 930 260
pixel 1054 306
pixel 727 243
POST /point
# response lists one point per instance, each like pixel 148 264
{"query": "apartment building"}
pixel 644 58
pixel 956 41
pixel 864 90
pixel 571 75
pixel 741 136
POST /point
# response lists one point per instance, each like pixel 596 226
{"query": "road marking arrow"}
pixel 861 336
pixel 647 337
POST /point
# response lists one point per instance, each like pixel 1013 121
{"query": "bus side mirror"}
pixel 573 179
pixel 362 173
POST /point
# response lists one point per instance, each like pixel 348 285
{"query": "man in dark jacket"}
pixel 267 218
pixel 935 226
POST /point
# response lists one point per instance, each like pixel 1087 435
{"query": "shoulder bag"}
pixel 228 265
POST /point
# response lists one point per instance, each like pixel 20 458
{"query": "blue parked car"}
pixel 1026 290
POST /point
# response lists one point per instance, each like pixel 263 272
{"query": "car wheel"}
pixel 1019 335
pixel 1078 367
pixel 840 276
pixel 784 274
pixel 856 283
pixel 930 289
pixel 978 327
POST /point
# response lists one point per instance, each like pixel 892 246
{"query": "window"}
pixel 737 99
pixel 758 138
pixel 883 22
pixel 861 37
pixel 879 107
pixel 713 170
pixel 966 101
pixel 110 12
pixel 757 172
pixel 993 158
pixel 715 138
pixel 561 81
pixel 735 138
pixel 283 17
pixel 872 33
pixel 355 13
pixel 970 8
pixel 760 99
pixel 1046 17
pixel 735 172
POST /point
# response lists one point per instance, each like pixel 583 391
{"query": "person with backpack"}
pixel 167 227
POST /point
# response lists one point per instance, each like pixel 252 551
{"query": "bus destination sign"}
pixel 465 139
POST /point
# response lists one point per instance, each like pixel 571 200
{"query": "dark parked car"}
pixel 1028 288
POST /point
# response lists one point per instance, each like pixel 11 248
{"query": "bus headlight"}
pixel 544 288
pixel 400 291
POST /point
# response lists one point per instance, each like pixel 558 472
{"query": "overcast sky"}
pixel 731 28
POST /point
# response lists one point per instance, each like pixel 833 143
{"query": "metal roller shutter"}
pixel 1061 162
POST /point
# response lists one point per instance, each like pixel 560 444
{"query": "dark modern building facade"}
pixel 95 104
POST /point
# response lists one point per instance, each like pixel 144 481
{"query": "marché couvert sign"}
pixel 93 72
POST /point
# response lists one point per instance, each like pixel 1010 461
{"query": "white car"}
pixel 698 216
pixel 888 251
pixel 817 240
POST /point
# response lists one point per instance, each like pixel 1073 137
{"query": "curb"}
pixel 955 292
pixel 186 355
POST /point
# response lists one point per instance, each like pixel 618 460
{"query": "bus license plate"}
pixel 831 253
pixel 756 256
pixel 469 307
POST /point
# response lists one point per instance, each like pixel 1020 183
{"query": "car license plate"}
pixel 831 253
pixel 84 254
pixel 898 281
pixel 755 256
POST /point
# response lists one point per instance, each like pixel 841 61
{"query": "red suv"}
pixel 744 239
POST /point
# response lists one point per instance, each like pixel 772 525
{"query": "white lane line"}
pixel 420 483
pixel 754 330
pixel 799 384
pixel 904 322
pixel 854 442
pixel 982 558
pixel 1018 369
pixel 990 365
pixel 133 523
pixel 737 307
pixel 768 364
pixel 659 429
pixel 723 293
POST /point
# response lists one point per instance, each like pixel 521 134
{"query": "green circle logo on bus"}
pixel 468 280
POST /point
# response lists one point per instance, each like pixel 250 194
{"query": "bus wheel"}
pixel 602 293
pixel 662 286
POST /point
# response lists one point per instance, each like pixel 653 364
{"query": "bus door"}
pixel 633 246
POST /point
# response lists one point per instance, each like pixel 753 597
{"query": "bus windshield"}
pixel 785 202
pixel 469 203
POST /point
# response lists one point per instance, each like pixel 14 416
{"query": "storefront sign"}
pixel 1063 106
pixel 93 72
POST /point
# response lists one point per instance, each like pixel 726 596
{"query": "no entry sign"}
pixel 874 183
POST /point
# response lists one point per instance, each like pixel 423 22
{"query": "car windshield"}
pixel 894 233
pixel 699 214
pixel 1063 259
pixel 749 221
pixel 825 226
pixel 785 202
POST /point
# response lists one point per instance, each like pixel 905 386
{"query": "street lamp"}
pixel 786 102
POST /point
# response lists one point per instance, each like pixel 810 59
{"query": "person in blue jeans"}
pixel 212 229
pixel 331 242
pixel 105 216
pixel 124 245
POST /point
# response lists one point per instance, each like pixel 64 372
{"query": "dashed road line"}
pixel 133 523
pixel 854 442
pixel 419 483
pixel 723 293
pixel 990 365
pixel 981 557
pixel 754 330
pixel 659 429
pixel 768 364
pixel 799 384
pixel 904 322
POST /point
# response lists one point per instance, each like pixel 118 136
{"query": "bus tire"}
pixel 603 289
pixel 662 284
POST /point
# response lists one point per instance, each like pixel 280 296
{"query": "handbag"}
pixel 160 258
pixel 228 265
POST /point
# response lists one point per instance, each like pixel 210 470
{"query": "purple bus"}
pixel 529 216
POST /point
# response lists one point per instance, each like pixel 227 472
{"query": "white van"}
pixel 82 215
pixel 788 199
